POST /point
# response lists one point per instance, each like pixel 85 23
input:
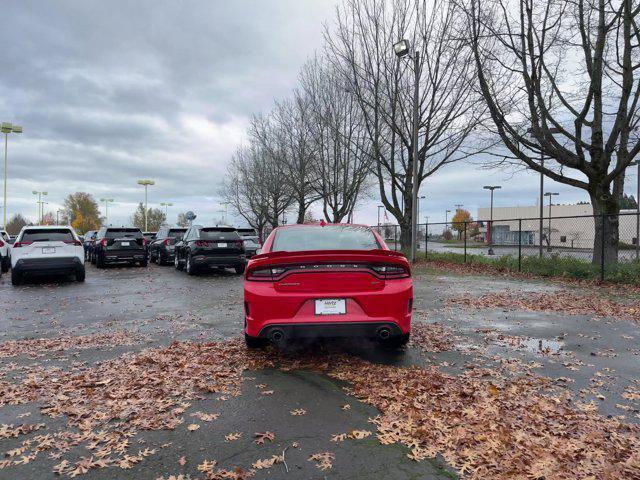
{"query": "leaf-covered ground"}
pixel 503 379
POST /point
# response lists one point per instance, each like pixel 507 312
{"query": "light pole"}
pixel 226 211
pixel 550 194
pixel 490 227
pixel 146 184
pixel 106 201
pixel 58 216
pixel 379 207
pixel 166 206
pixel 39 203
pixel 402 49
pixel 7 128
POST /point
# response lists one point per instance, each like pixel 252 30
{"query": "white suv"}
pixel 5 252
pixel 47 250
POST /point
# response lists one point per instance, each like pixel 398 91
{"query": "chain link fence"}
pixel 548 245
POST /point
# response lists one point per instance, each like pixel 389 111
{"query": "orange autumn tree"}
pixel 459 219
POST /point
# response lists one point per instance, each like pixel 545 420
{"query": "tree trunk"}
pixel 405 234
pixel 606 208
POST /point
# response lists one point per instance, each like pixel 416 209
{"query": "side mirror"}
pixel 258 251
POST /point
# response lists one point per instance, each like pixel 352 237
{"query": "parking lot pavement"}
pixel 73 358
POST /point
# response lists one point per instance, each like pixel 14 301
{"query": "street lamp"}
pixel 58 216
pixel 226 212
pixel 7 128
pixel 550 194
pixel 146 184
pixel 166 206
pixel 402 49
pixel 446 217
pixel 490 227
pixel 39 203
pixel 106 201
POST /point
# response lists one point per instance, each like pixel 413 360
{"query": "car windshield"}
pixel 123 232
pixel 219 234
pixel 48 235
pixel 330 237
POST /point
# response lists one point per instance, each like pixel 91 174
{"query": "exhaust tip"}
pixel 276 335
pixel 384 333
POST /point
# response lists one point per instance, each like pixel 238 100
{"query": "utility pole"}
pixel 550 194
pixel 7 128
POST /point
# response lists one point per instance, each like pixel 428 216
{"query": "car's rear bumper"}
pixel 218 260
pixel 331 329
pixel 366 311
pixel 48 266
pixel 124 255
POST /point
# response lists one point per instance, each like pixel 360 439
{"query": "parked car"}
pixel 327 280
pixel 5 251
pixel 210 247
pixel 118 245
pixel 251 241
pixel 47 250
pixel 149 237
pixel 88 242
pixel 161 250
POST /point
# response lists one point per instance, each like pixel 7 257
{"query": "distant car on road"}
pixel 251 241
pixel 5 251
pixel 118 245
pixel 47 250
pixel 210 247
pixel 161 250
pixel 327 280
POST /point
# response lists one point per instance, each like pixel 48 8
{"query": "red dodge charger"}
pixel 327 280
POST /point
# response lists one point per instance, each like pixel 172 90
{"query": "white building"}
pixel 572 226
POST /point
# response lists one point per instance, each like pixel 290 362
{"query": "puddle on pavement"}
pixel 539 345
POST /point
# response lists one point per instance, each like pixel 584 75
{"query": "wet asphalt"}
pixel 594 358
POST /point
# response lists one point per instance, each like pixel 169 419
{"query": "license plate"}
pixel 331 306
pixel 222 245
pixel 48 250
pixel 125 244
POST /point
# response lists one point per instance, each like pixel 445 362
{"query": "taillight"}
pixel 144 242
pixel 202 243
pixel 166 242
pixel 1 243
pixel 391 271
pixel 266 274
pixel 21 244
pixel 239 243
pixel 103 242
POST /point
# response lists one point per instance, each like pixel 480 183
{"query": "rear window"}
pixel 48 235
pixel 330 237
pixel 176 232
pixel 123 232
pixel 247 232
pixel 219 234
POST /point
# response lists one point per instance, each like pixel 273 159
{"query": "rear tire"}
pixel 189 267
pixel 144 263
pixel 16 277
pixel 92 256
pixel 240 269
pixel 159 260
pixel 176 263
pixel 397 341
pixel 255 342
pixel 80 274
pixel 5 264
pixel 99 261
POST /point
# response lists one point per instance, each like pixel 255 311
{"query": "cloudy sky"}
pixel 111 92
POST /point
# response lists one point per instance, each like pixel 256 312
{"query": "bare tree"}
pixel 284 135
pixel 255 189
pixel 360 48
pixel 342 163
pixel 560 81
